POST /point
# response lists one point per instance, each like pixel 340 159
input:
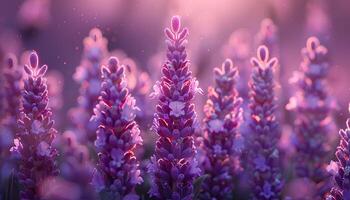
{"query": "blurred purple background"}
pixel 136 27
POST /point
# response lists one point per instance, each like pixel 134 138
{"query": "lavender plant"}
pixel 173 167
pixel 88 76
pixel 264 159
pixel 34 138
pixel 312 106
pixel 222 140
pixel 118 135
pixel 341 167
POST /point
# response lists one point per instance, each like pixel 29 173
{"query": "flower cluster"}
pixel 264 133
pixel 173 167
pixel 341 167
pixel 88 76
pixel 222 143
pixel 117 136
pixel 34 138
pixel 313 107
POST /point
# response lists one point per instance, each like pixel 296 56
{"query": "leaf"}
pixel 197 185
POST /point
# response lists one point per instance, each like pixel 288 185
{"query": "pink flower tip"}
pixel 175 24
pixel 312 43
pixel 227 65
pixel 34 60
pixel 113 61
pixel 263 53
pixel 96 34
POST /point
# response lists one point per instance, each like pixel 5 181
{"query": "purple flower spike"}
pixel 88 76
pixel 221 140
pixel 264 133
pixel 173 168
pixel 35 135
pixel 118 136
pixel 340 168
pixel 313 107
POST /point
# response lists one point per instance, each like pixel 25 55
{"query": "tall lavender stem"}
pixel 264 133
pixel 221 139
pixel 88 76
pixel 117 136
pixel 313 107
pixel 341 167
pixel 35 135
pixel 173 167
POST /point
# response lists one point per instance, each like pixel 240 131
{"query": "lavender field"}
pixel 174 100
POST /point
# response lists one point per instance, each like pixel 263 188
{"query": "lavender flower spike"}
pixel 173 168
pixel 313 107
pixel 221 140
pixel 265 133
pixel 341 167
pixel 117 136
pixel 34 139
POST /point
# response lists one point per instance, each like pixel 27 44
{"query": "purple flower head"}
pixel 88 76
pixel 118 135
pixel 35 134
pixel 173 168
pixel 340 169
pixel 264 129
pixel 222 119
pixel 313 107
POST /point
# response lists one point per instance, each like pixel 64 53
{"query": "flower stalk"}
pixel 173 167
